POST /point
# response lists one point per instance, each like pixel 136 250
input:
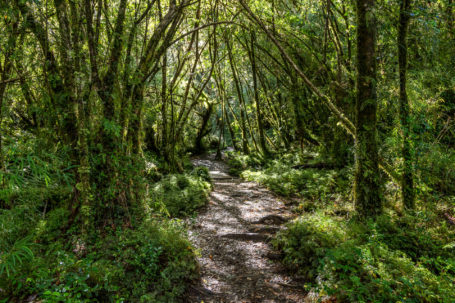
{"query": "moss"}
pixel 390 259
pixel 151 263
pixel 313 184
pixel 306 241
pixel 182 194
pixel 373 272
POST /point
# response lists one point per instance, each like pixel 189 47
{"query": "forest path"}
pixel 237 263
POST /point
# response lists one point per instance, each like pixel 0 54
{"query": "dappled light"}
pixel 227 151
pixel 234 247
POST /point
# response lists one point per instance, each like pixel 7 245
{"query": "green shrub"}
pixel 436 169
pixel 32 167
pixel 187 164
pixel 391 259
pixel 418 235
pixel 152 172
pixel 306 241
pixel 12 258
pixel 180 195
pixel 45 256
pixel 202 172
pixel 373 273
pixel 36 196
pixel 182 181
pixel 236 165
pixel 153 263
pixel 210 142
pixel 238 162
pixel 16 223
pixel 314 184
pixel 279 178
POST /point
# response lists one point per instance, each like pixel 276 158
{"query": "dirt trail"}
pixel 232 234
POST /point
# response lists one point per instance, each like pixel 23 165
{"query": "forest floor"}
pixel 237 263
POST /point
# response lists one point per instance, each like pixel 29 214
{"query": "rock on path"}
pixel 232 235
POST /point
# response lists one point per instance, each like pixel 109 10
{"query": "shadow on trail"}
pixel 232 235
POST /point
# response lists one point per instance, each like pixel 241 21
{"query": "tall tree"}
pixel 259 118
pixel 240 97
pixel 344 120
pixel 407 182
pixel 450 18
pixel 367 187
pixel 5 70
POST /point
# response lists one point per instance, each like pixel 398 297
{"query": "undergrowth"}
pixel 312 185
pixel 44 259
pixel 394 259
pixel 152 263
pixel 179 195
pixel 398 257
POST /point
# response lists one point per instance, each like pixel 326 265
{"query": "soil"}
pixel 237 263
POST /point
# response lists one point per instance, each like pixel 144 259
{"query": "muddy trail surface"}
pixel 237 262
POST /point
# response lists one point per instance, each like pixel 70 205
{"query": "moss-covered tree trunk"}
pixel 240 97
pixel 231 131
pixel 259 117
pixel 2 91
pixel 367 189
pixel 5 70
pixel 202 132
pixel 407 182
pixel 451 18
pixel 302 133
pixel 83 170
pixel 164 132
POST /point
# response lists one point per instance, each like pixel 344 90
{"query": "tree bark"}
pixel 259 118
pixel 198 148
pixel 367 189
pixel 164 132
pixel 106 91
pixel 231 131
pixel 2 91
pixel 148 67
pixel 407 181
pixel 240 97
pixel 345 122
pixel 3 84
pixel 450 18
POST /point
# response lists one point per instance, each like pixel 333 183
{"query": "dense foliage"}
pixel 346 108
pixel 398 256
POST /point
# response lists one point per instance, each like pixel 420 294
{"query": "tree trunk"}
pixel 345 122
pixel 221 136
pixel 367 189
pixel 83 171
pixel 3 84
pixel 301 132
pixel 231 131
pixel 222 95
pixel 241 101
pixel 149 140
pixel 106 92
pixel 2 90
pixel 198 148
pixel 135 127
pixel 260 125
pixel 164 132
pixel 450 18
pixel 407 182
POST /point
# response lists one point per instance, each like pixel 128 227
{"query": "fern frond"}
pixel 18 253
